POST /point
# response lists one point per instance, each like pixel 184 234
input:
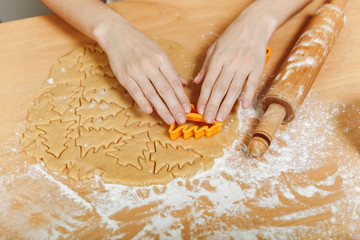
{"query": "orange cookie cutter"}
pixel 268 52
pixel 195 131
pixel 194 116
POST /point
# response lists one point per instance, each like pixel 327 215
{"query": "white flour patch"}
pixel 300 92
pixel 103 92
pixel 313 42
pixel 63 189
pixel 303 151
pixel 310 191
pixel 22 204
pixel 50 81
pixel 104 105
pixel 209 34
pixel 295 64
pixel 237 186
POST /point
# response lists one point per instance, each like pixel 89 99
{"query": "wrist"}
pixel 112 25
pixel 259 16
pixel 273 13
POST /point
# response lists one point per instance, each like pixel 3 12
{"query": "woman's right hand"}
pixel 144 69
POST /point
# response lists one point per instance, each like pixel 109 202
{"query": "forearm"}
pixel 140 65
pixel 92 17
pixel 272 13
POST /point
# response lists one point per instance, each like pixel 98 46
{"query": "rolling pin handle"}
pixel 258 146
pixel 266 130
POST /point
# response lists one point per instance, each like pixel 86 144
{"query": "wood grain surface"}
pixel 37 203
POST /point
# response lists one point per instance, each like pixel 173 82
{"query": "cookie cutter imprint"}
pixel 194 116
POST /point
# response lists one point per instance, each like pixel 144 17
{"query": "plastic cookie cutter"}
pixel 268 52
pixel 187 132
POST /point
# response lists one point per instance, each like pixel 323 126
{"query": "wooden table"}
pixel 37 203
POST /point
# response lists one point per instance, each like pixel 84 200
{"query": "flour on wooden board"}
pixel 237 187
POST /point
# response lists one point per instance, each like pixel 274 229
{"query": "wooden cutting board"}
pixel 319 198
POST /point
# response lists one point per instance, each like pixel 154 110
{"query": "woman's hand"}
pixel 145 70
pixel 139 64
pixel 237 57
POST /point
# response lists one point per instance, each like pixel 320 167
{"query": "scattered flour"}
pixel 209 34
pixel 50 81
pixel 300 92
pixel 294 65
pixel 104 105
pixel 63 189
pixel 269 198
pixel 313 42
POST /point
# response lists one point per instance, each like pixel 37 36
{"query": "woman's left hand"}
pixel 236 57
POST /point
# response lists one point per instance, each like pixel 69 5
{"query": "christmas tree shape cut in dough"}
pixel 136 115
pixel 181 155
pixel 116 96
pixel 94 109
pixel 88 139
pixel 63 95
pixel 93 58
pixel 98 83
pixel 42 114
pixel 116 122
pixel 85 123
pixel 55 135
pixel 129 152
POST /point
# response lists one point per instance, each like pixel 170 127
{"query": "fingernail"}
pixel 201 109
pixel 196 77
pixel 220 117
pixel 187 107
pixel 245 104
pixel 147 109
pixel 182 79
pixel 209 117
pixel 170 120
pixel 181 119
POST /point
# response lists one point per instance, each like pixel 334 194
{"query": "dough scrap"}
pixel 85 123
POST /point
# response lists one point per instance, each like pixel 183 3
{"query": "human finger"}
pixel 210 79
pixel 251 87
pixel 152 96
pixel 168 96
pixel 169 72
pixel 183 81
pixel 137 94
pixel 217 94
pixel 201 75
pixel 232 95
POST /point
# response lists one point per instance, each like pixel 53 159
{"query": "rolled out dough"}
pixel 85 123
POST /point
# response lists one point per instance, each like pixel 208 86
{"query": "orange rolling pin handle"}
pixel 298 73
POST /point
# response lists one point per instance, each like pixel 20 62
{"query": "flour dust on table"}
pixel 298 190
pixel 306 185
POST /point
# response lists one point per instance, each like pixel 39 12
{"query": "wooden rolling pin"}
pixel 298 73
